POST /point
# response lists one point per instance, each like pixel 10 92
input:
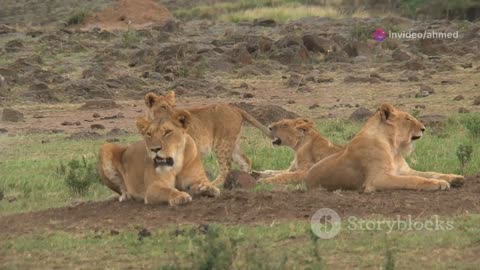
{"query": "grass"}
pixel 279 10
pixel 288 245
pixel 290 12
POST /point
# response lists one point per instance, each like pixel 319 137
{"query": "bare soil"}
pixel 247 207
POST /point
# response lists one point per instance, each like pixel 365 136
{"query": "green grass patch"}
pixel 289 245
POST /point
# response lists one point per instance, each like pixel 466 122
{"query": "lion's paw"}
pixel 207 189
pixel 443 185
pixel 180 199
pixel 456 180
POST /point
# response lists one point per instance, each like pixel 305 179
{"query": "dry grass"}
pixel 291 12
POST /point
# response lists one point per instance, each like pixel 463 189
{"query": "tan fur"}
pixel 215 127
pixel 132 171
pixel 373 159
pixel 309 145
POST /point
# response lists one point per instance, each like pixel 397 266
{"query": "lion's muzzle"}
pixel 277 141
pixel 160 161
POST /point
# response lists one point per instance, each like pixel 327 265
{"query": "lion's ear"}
pixel 142 124
pixel 150 99
pixel 170 97
pixel 181 118
pixel 303 124
pixel 386 111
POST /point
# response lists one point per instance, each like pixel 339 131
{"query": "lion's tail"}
pixel 254 122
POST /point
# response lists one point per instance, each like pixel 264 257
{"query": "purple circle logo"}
pixel 379 34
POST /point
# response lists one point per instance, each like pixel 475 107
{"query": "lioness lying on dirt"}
pixel 373 159
pixel 310 147
pixel 158 167
pixel 216 126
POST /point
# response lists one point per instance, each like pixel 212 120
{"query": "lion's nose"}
pixel 422 129
pixel 156 149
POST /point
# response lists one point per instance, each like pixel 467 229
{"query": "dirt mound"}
pixel 129 13
pixel 240 206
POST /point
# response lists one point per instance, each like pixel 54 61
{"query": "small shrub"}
pixel 78 175
pixel 77 17
pixel 472 123
pixel 464 155
pixel 130 38
pixel 389 263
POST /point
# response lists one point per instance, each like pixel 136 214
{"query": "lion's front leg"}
pixel 285 178
pixel 454 179
pixel 158 193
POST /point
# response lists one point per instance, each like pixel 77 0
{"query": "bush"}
pixel 77 17
pixel 130 38
pixel 464 155
pixel 78 175
pixel 472 123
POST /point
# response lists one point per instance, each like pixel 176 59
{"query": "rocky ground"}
pixel 314 67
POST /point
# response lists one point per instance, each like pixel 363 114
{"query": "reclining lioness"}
pixel 159 168
pixel 373 159
pixel 309 145
pixel 214 127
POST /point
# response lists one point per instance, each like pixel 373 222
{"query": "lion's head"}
pixel 402 127
pixel 158 105
pixel 165 137
pixel 289 132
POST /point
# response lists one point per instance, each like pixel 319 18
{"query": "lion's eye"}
pixel 168 132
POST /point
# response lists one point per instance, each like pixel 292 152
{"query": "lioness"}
pixel 310 147
pixel 373 159
pixel 215 126
pixel 158 167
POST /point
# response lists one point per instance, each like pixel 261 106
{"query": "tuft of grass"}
pixel 78 175
pixel 130 38
pixel 77 17
pixel 472 123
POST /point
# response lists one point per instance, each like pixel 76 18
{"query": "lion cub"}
pixel 373 159
pixel 159 168
pixel 309 145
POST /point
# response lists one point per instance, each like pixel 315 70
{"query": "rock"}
pixel 467 65
pixel 68 123
pixel 316 43
pixel 352 79
pixel 248 95
pixel 463 110
pixel 266 114
pixel 99 104
pixel 434 120
pixel 360 114
pixel 426 88
pixel 96 115
pixel 14 45
pixel 295 80
pixel 3 130
pixel 313 106
pixel 400 55
pixel 238 179
pixel 422 94
pixel 117 132
pixel 420 106
pixel 414 65
pixel 116 116
pixel 458 98
pixel 97 126
pixel 38 116
pixel 40 92
pixel 84 135
pixel 240 55
pixel 264 22
pixel 143 233
pixel 5 29
pixel 244 85
pixel 476 101
pixel 324 79
pixel 289 50
pixel 11 115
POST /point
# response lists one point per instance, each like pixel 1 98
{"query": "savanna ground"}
pixel 55 214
